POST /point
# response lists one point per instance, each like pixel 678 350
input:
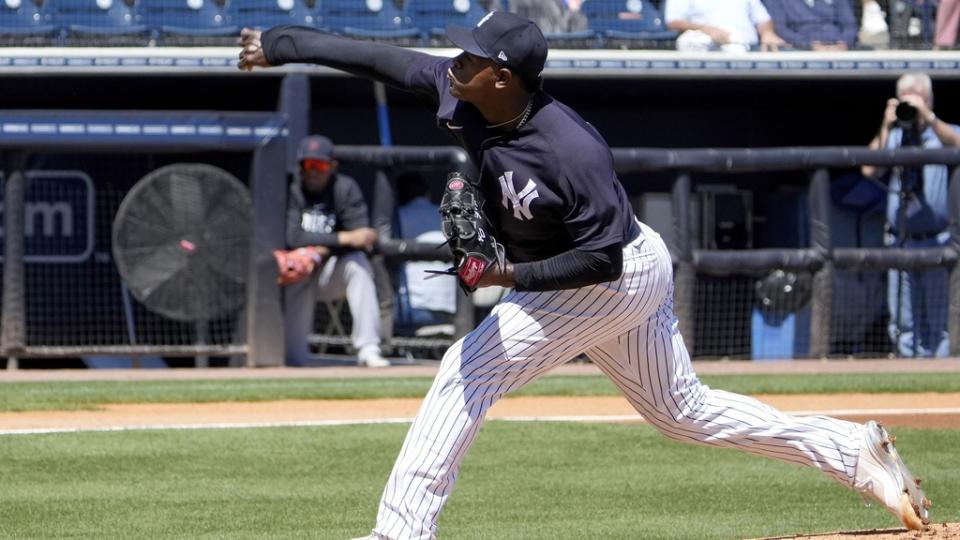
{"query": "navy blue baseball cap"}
pixel 507 39
pixel 315 147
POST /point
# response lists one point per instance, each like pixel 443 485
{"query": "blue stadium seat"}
pixel 265 14
pixel 370 19
pixel 93 18
pixel 433 16
pixel 192 18
pixel 629 20
pixel 24 17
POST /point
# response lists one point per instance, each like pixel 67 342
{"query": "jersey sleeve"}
pixel 351 207
pixel 590 187
pixel 388 64
pixel 427 77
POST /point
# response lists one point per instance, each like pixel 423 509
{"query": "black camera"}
pixel 906 113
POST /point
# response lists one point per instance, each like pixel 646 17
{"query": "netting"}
pixel 860 315
pixel 75 296
pixel 722 317
pixel 768 317
pixel 898 313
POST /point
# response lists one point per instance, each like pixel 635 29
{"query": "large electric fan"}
pixel 181 241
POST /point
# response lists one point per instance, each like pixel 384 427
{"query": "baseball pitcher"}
pixel 586 276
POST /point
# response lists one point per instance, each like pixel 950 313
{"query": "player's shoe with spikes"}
pixel 882 476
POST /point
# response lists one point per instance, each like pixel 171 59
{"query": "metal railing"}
pixel 819 258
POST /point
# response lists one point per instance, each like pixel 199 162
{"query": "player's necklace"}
pixel 523 116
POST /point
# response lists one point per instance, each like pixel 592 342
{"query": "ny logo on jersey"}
pixel 520 201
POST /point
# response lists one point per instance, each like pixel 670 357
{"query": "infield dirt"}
pixel 921 410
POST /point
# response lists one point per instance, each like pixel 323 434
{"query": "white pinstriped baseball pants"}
pixel 627 327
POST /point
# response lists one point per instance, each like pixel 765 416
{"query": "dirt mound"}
pixel 938 531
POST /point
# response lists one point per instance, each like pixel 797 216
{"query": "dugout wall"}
pixel 648 100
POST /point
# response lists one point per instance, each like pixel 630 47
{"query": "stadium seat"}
pixel 100 22
pixel 628 21
pixel 433 16
pixel 21 18
pixel 369 19
pixel 581 39
pixel 194 20
pixel 265 14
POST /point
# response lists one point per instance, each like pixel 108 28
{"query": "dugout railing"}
pixel 264 135
pixel 24 133
pixel 258 337
pixel 386 160
pixel 261 134
pixel 820 259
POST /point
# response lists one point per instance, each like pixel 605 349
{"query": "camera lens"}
pixel 906 112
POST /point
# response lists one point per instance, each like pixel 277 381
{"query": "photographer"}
pixel 916 217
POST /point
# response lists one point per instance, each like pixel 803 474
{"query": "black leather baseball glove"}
pixel 468 232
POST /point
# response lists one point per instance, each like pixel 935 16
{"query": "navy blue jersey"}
pixel 314 219
pixel 549 185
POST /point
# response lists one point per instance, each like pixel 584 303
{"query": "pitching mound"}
pixel 939 531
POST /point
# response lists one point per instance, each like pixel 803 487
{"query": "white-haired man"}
pixel 917 216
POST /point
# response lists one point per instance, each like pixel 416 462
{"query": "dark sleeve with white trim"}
pixel 570 270
pixel 299 44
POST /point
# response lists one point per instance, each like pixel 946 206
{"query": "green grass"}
pixel 520 481
pixel 25 396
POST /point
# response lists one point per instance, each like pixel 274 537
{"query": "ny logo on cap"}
pixel 484 19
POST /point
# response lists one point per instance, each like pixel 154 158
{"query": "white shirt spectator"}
pixel 419 219
pixel 439 293
pixel 739 17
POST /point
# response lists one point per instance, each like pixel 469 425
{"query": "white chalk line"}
pixel 373 421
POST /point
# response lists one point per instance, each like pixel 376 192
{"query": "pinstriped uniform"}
pixel 628 328
pixel 554 177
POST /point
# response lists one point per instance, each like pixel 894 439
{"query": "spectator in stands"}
pixel 552 16
pixel 427 301
pixel 918 309
pixel 818 25
pixel 874 30
pixel 948 20
pixel 328 235
pixel 730 25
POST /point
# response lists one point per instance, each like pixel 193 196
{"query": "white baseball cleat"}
pixel 882 476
